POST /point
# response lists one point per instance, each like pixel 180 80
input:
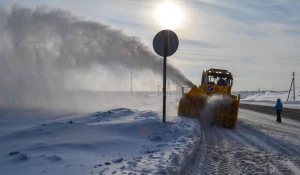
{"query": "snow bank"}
pixel 118 141
pixel 269 98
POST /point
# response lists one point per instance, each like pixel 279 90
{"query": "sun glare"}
pixel 169 15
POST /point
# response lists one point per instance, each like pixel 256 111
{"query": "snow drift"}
pixel 117 141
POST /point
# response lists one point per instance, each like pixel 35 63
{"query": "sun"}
pixel 169 15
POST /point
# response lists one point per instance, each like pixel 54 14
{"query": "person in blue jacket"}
pixel 278 108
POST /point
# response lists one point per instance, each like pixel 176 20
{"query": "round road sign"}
pixel 165 43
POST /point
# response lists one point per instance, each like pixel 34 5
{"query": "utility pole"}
pixel 158 90
pixel 294 86
pixel 294 89
pixel 131 81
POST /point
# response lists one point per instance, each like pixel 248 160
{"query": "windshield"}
pixel 218 79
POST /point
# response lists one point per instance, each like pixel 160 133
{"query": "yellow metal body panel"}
pixel 216 89
pixel 192 104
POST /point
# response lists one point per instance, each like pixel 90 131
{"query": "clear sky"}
pixel 257 40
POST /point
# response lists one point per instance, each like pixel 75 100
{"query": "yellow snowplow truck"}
pixel 212 100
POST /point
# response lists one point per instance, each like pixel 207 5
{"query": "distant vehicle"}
pixel 223 110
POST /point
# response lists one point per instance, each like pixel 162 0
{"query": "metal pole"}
pixel 294 85
pixel 289 91
pixel 158 90
pixel 131 81
pixel 165 75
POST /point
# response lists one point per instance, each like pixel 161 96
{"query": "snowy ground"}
pixel 258 145
pixel 268 98
pixel 115 141
pixel 129 138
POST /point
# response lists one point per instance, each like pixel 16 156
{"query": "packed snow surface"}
pixel 258 145
pixel 116 141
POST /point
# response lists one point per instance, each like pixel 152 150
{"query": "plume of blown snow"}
pixel 212 103
pixel 38 47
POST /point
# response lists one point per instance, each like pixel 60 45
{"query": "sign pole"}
pixel 165 44
pixel 165 75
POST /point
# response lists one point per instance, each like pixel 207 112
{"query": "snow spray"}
pixel 213 102
pixel 38 46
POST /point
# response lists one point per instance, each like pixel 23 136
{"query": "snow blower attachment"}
pixel 212 99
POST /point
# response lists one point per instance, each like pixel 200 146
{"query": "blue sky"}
pixel 257 40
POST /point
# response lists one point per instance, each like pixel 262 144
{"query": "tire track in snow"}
pixel 226 164
pixel 202 164
pixel 251 157
pixel 269 121
pixel 287 153
pixel 244 150
pixel 268 141
pixel 213 155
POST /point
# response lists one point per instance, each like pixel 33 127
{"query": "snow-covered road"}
pixel 290 113
pixel 258 145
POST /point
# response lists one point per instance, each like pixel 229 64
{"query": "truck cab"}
pixel 216 81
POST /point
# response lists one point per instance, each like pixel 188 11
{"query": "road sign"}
pixel 165 43
pixel 165 37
